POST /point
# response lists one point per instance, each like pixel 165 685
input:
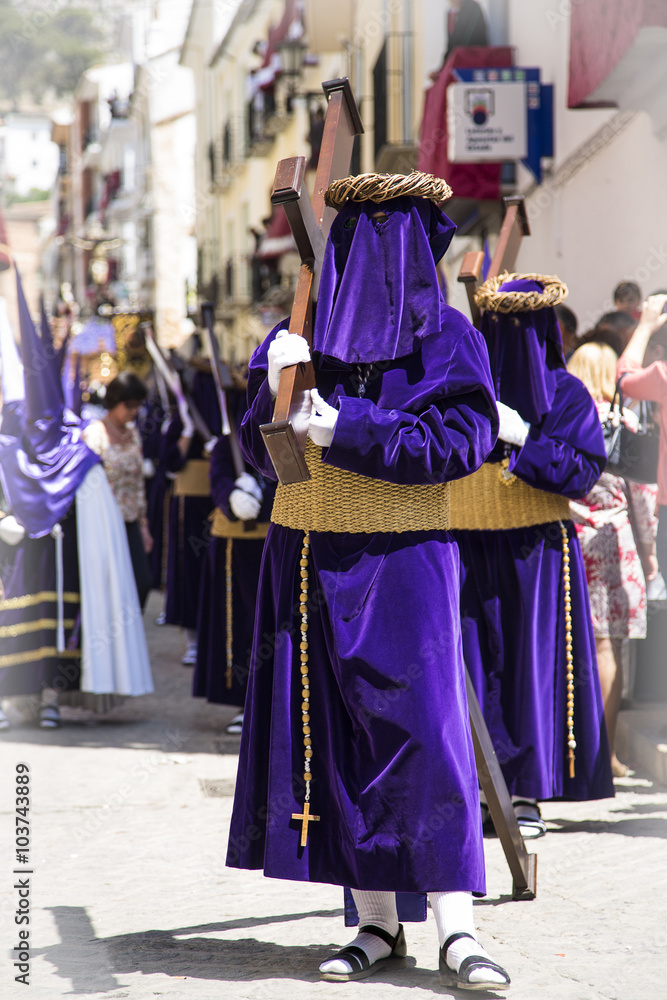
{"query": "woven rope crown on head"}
pixel 488 297
pixel 383 187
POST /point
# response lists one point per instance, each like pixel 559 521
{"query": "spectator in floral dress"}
pixel 116 440
pixel 608 520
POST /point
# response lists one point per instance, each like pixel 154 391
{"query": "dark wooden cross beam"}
pixel 514 228
pixel 522 865
pixel 285 436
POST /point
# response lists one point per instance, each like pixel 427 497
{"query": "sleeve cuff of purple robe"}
pixel 343 452
pixel 263 404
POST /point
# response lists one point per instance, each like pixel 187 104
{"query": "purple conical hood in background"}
pixel 43 392
pixel 43 468
pixel 13 389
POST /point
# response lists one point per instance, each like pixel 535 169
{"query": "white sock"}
pixel 190 636
pixel 379 909
pixel 49 698
pixel 453 914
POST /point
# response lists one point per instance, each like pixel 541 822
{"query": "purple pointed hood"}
pixel 43 468
pixel 379 294
pixel 525 349
pixel 13 389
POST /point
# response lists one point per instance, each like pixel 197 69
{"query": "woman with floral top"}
pixel 614 528
pixel 116 440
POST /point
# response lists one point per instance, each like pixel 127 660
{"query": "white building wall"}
pixel 602 214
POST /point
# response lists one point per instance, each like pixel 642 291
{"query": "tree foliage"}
pixel 45 46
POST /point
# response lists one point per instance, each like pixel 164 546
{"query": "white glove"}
pixel 249 484
pixel 287 349
pixel 148 468
pixel 210 445
pixel 11 532
pixel 245 507
pixel 322 421
pixel 186 419
pixel 513 428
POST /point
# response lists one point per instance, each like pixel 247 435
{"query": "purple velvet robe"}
pixel 29 659
pixel 210 676
pixel 394 779
pixel 513 617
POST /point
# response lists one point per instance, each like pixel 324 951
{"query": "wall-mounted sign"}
pixel 495 115
pixel 486 123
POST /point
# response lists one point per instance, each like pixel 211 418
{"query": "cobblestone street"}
pixel 131 897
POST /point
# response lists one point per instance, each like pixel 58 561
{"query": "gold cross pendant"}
pixel 306 818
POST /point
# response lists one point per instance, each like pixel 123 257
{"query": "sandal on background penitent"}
pixel 529 818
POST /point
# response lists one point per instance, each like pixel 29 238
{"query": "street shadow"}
pixel 95 964
pixel 649 827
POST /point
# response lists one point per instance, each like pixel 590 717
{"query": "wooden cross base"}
pixel 522 865
pixel 306 818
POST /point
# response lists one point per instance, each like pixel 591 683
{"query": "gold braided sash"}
pixel 222 527
pixel 493 499
pixel 337 500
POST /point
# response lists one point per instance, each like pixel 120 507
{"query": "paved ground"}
pixel 131 898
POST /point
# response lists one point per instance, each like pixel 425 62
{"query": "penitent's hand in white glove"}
pixel 210 445
pixel 11 532
pixel 322 421
pixel 249 484
pixel 513 428
pixel 243 506
pixel 287 349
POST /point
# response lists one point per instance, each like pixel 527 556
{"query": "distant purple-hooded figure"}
pixel 356 709
pixel 230 579
pixel 188 529
pixel 73 545
pixel 41 469
pixel 12 385
pixel 513 578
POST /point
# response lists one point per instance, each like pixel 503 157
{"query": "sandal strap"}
pixel 455 937
pixel 354 956
pixel 380 932
pixel 474 962
pixel 527 802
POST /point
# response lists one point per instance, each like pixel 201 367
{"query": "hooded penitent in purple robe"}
pixel 393 774
pixel 512 591
pixel 215 678
pixel 189 528
pixel 41 469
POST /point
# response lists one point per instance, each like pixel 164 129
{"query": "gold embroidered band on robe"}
pixel 222 527
pixel 29 627
pixel 336 500
pixel 493 499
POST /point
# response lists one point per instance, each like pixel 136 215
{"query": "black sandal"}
pixel 529 818
pixel 358 959
pixel 461 979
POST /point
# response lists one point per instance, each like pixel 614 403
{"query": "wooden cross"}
pixel 285 437
pixel 514 228
pixel 307 818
